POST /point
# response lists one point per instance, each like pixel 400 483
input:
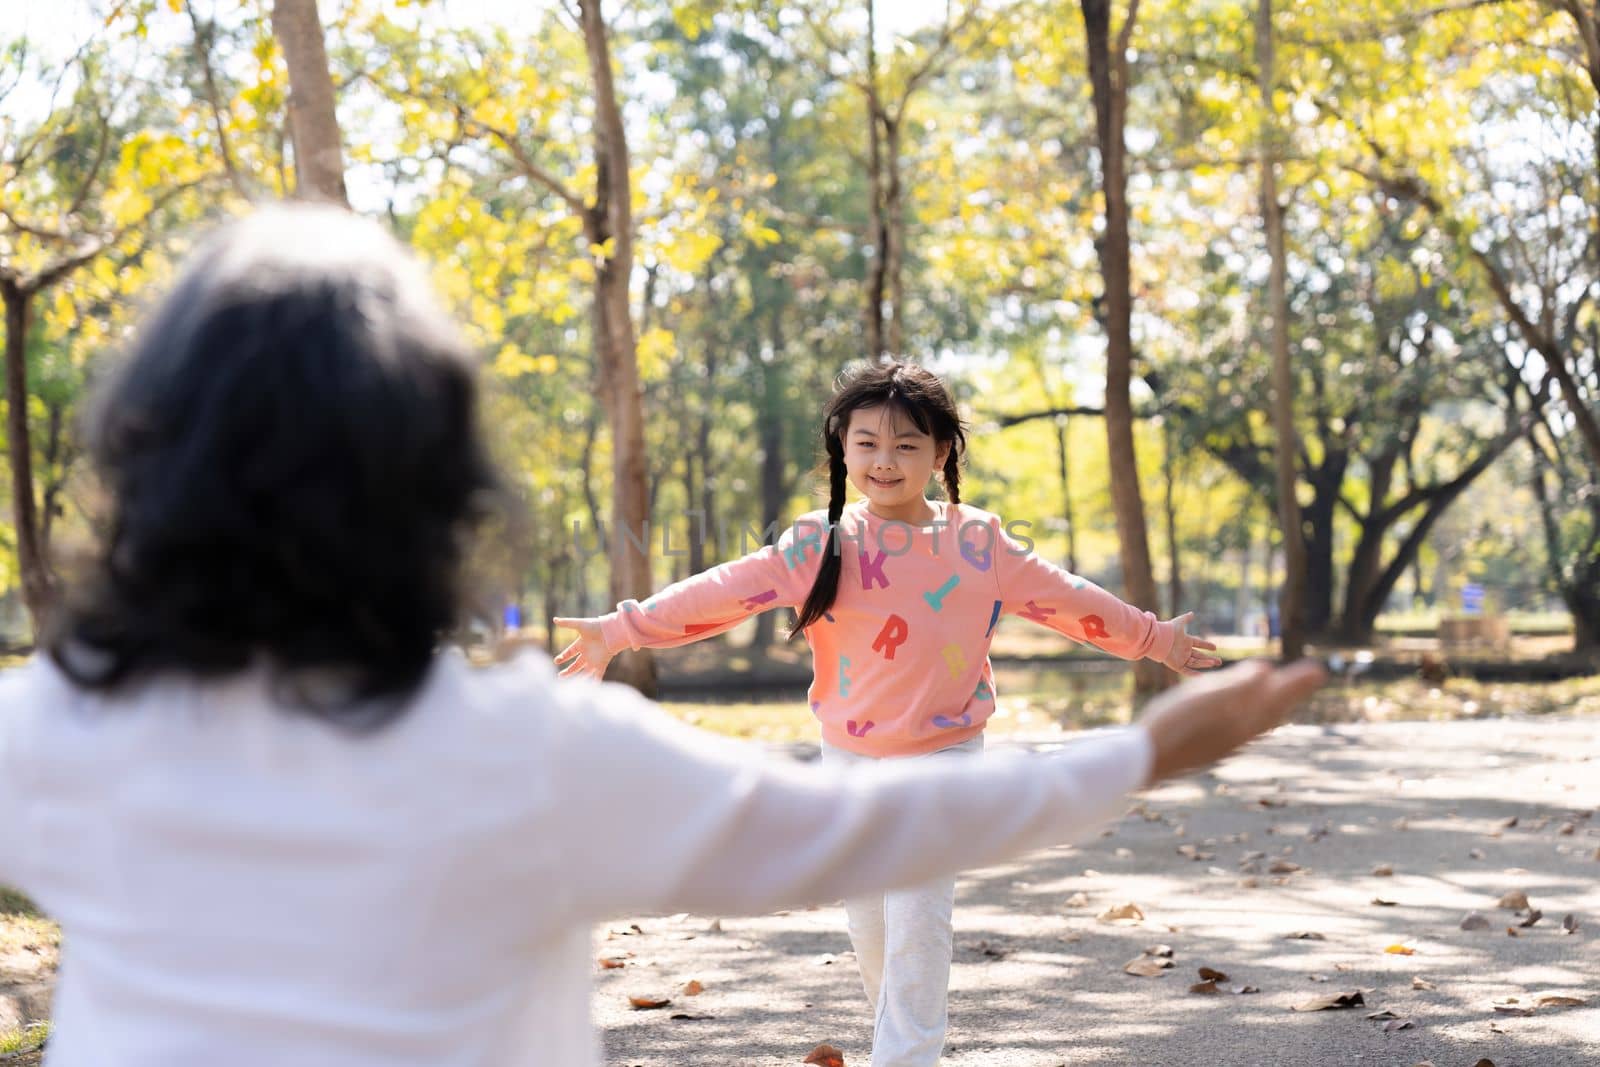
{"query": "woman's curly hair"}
pixel 295 467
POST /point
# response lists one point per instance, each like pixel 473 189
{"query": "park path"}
pixel 1283 840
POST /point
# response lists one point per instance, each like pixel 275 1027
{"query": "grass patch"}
pixel 28 1039
pixel 14 904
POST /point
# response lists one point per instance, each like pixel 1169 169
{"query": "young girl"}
pixel 898 597
pixel 278 825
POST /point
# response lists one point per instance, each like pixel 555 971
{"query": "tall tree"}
pixel 1292 598
pixel 83 184
pixel 1108 80
pixel 318 151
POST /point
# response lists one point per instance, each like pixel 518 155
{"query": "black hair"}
pixel 294 464
pixel 919 395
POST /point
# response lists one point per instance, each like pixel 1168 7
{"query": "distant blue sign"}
pixel 1472 598
pixel 513 616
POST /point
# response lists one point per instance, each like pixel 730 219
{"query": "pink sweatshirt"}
pixel 901 660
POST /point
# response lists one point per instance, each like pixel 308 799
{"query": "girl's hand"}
pixel 587 655
pixel 1197 723
pixel 1189 653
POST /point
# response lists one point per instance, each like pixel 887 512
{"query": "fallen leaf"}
pixel 1244 989
pixel 689 1016
pixel 1560 1000
pixel 1421 983
pixel 1384 1014
pixel 1304 935
pixel 693 988
pixel 612 963
pixel 1511 931
pixel 1208 987
pixel 1071 937
pixel 1516 900
pixel 1159 950
pixel 1485 1062
pixel 1401 950
pixel 1344 966
pixel 1506 824
pixel 1380 902
pixel 1212 975
pixel 1249 883
pixel 1283 867
pixel 1570 924
pixel 715 927
pixel 648 1003
pixel 1334 1001
pixel 1567 829
pixel 1384 870
pixel 1533 916
pixel 1474 921
pixel 1079 899
pixel 1513 1009
pixel 1122 913
pixel 1396 1024
pixel 825 1056
pixel 1147 966
pixel 1195 853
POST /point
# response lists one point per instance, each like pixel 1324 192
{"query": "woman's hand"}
pixel 587 655
pixel 1188 655
pixel 1199 722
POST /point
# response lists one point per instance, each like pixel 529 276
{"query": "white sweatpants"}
pixel 903 941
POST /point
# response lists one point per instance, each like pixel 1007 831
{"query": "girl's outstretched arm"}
pixel 704 605
pixel 663 817
pixel 1054 597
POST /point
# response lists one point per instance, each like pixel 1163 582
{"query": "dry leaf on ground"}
pixel 1560 1000
pixel 1304 935
pixel 1333 1002
pixel 1243 989
pixel 693 988
pixel 1207 987
pixel 1512 1006
pixel 689 1016
pixel 648 1003
pixel 1421 983
pixel 825 1056
pixel 1475 921
pixel 1283 867
pixel 1533 916
pixel 1516 900
pixel 1384 1014
pixel 1384 870
pixel 1400 950
pixel 1380 902
pixel 1396 1024
pixel 1570 924
pixel 1212 975
pixel 1148 966
pixel 1159 950
pixel 1122 913
pixel 611 963
pixel 1079 899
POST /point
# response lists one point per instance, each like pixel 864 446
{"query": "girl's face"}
pixel 890 461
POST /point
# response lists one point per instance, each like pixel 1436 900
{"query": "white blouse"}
pixel 241 884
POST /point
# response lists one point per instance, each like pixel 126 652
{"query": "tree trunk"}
pixel 1063 430
pixel 38 584
pixel 773 483
pixel 1108 77
pixel 1292 598
pixel 708 494
pixel 318 158
pixel 1170 507
pixel 611 219
pixel 877 223
pixel 894 231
